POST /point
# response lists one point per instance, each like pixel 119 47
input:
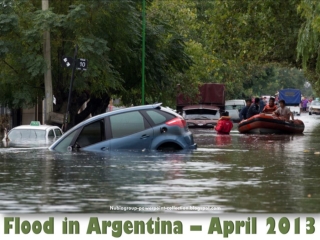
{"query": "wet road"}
pixel 236 173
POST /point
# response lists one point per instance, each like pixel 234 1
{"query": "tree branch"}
pixel 10 66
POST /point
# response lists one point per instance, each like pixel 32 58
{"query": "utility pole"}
pixel 143 47
pixel 47 74
pixel 70 89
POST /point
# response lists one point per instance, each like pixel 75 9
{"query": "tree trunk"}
pixel 47 75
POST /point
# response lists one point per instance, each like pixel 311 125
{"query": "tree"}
pixel 114 53
pixel 308 41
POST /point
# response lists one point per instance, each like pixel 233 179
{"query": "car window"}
pixel 91 134
pixel 127 123
pixel 40 134
pixel 58 132
pixel 200 114
pixel 14 134
pixel 233 107
pixel 66 142
pixel 26 134
pixel 51 134
pixel 159 117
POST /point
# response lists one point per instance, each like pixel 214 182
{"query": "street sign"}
pixel 81 64
pixel 67 62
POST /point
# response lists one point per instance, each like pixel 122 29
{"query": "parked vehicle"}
pixel 204 110
pixel 148 127
pixel 234 107
pixel 34 134
pixel 201 115
pixel 292 97
pixel 314 107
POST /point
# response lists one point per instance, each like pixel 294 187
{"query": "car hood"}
pixel 315 107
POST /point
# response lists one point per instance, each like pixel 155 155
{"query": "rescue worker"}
pixel 224 124
pixel 271 107
pixel 243 112
pixel 254 109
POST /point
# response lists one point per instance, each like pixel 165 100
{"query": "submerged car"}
pixel 34 134
pixel 150 127
pixel 234 107
pixel 201 115
pixel 314 107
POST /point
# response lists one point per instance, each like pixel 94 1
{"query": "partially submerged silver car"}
pixel 314 107
pixel 151 127
pixel 32 135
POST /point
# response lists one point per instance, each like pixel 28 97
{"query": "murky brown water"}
pixel 236 173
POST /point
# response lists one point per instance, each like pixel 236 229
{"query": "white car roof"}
pixel 41 127
pixel 234 101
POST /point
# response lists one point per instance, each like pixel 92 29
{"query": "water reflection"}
pixel 236 172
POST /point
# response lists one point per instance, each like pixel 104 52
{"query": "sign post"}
pixel 143 47
pixel 70 89
pixel 74 63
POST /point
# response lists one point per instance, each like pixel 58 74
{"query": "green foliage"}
pixel 108 34
pixel 250 46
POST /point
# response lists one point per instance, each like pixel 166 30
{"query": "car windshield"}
pixel 316 103
pixel 25 134
pixel 234 107
pixel 203 114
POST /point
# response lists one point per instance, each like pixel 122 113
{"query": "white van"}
pixel 234 107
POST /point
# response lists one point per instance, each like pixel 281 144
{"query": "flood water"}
pixel 236 173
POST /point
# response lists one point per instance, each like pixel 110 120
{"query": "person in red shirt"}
pixel 224 124
pixel 271 107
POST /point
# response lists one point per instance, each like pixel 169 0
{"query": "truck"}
pixel 292 98
pixel 204 110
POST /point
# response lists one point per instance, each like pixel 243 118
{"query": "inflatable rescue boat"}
pixel 267 123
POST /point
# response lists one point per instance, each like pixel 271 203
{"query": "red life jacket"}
pixel 224 125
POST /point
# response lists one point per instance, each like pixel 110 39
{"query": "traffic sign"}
pixel 67 62
pixel 81 64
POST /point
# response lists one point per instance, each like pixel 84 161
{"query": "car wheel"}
pixel 169 146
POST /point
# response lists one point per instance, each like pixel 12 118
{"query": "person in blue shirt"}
pixel 243 112
pixel 254 108
pixel 262 103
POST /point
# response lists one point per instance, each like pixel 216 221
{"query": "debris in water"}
pixel 306 150
pixel 309 195
pixel 316 152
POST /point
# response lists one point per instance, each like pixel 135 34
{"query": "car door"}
pixel 130 130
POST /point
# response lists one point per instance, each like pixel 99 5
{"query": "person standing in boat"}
pixel 254 109
pixel 284 111
pixel 262 103
pixel 243 112
pixel 224 124
pixel 271 107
